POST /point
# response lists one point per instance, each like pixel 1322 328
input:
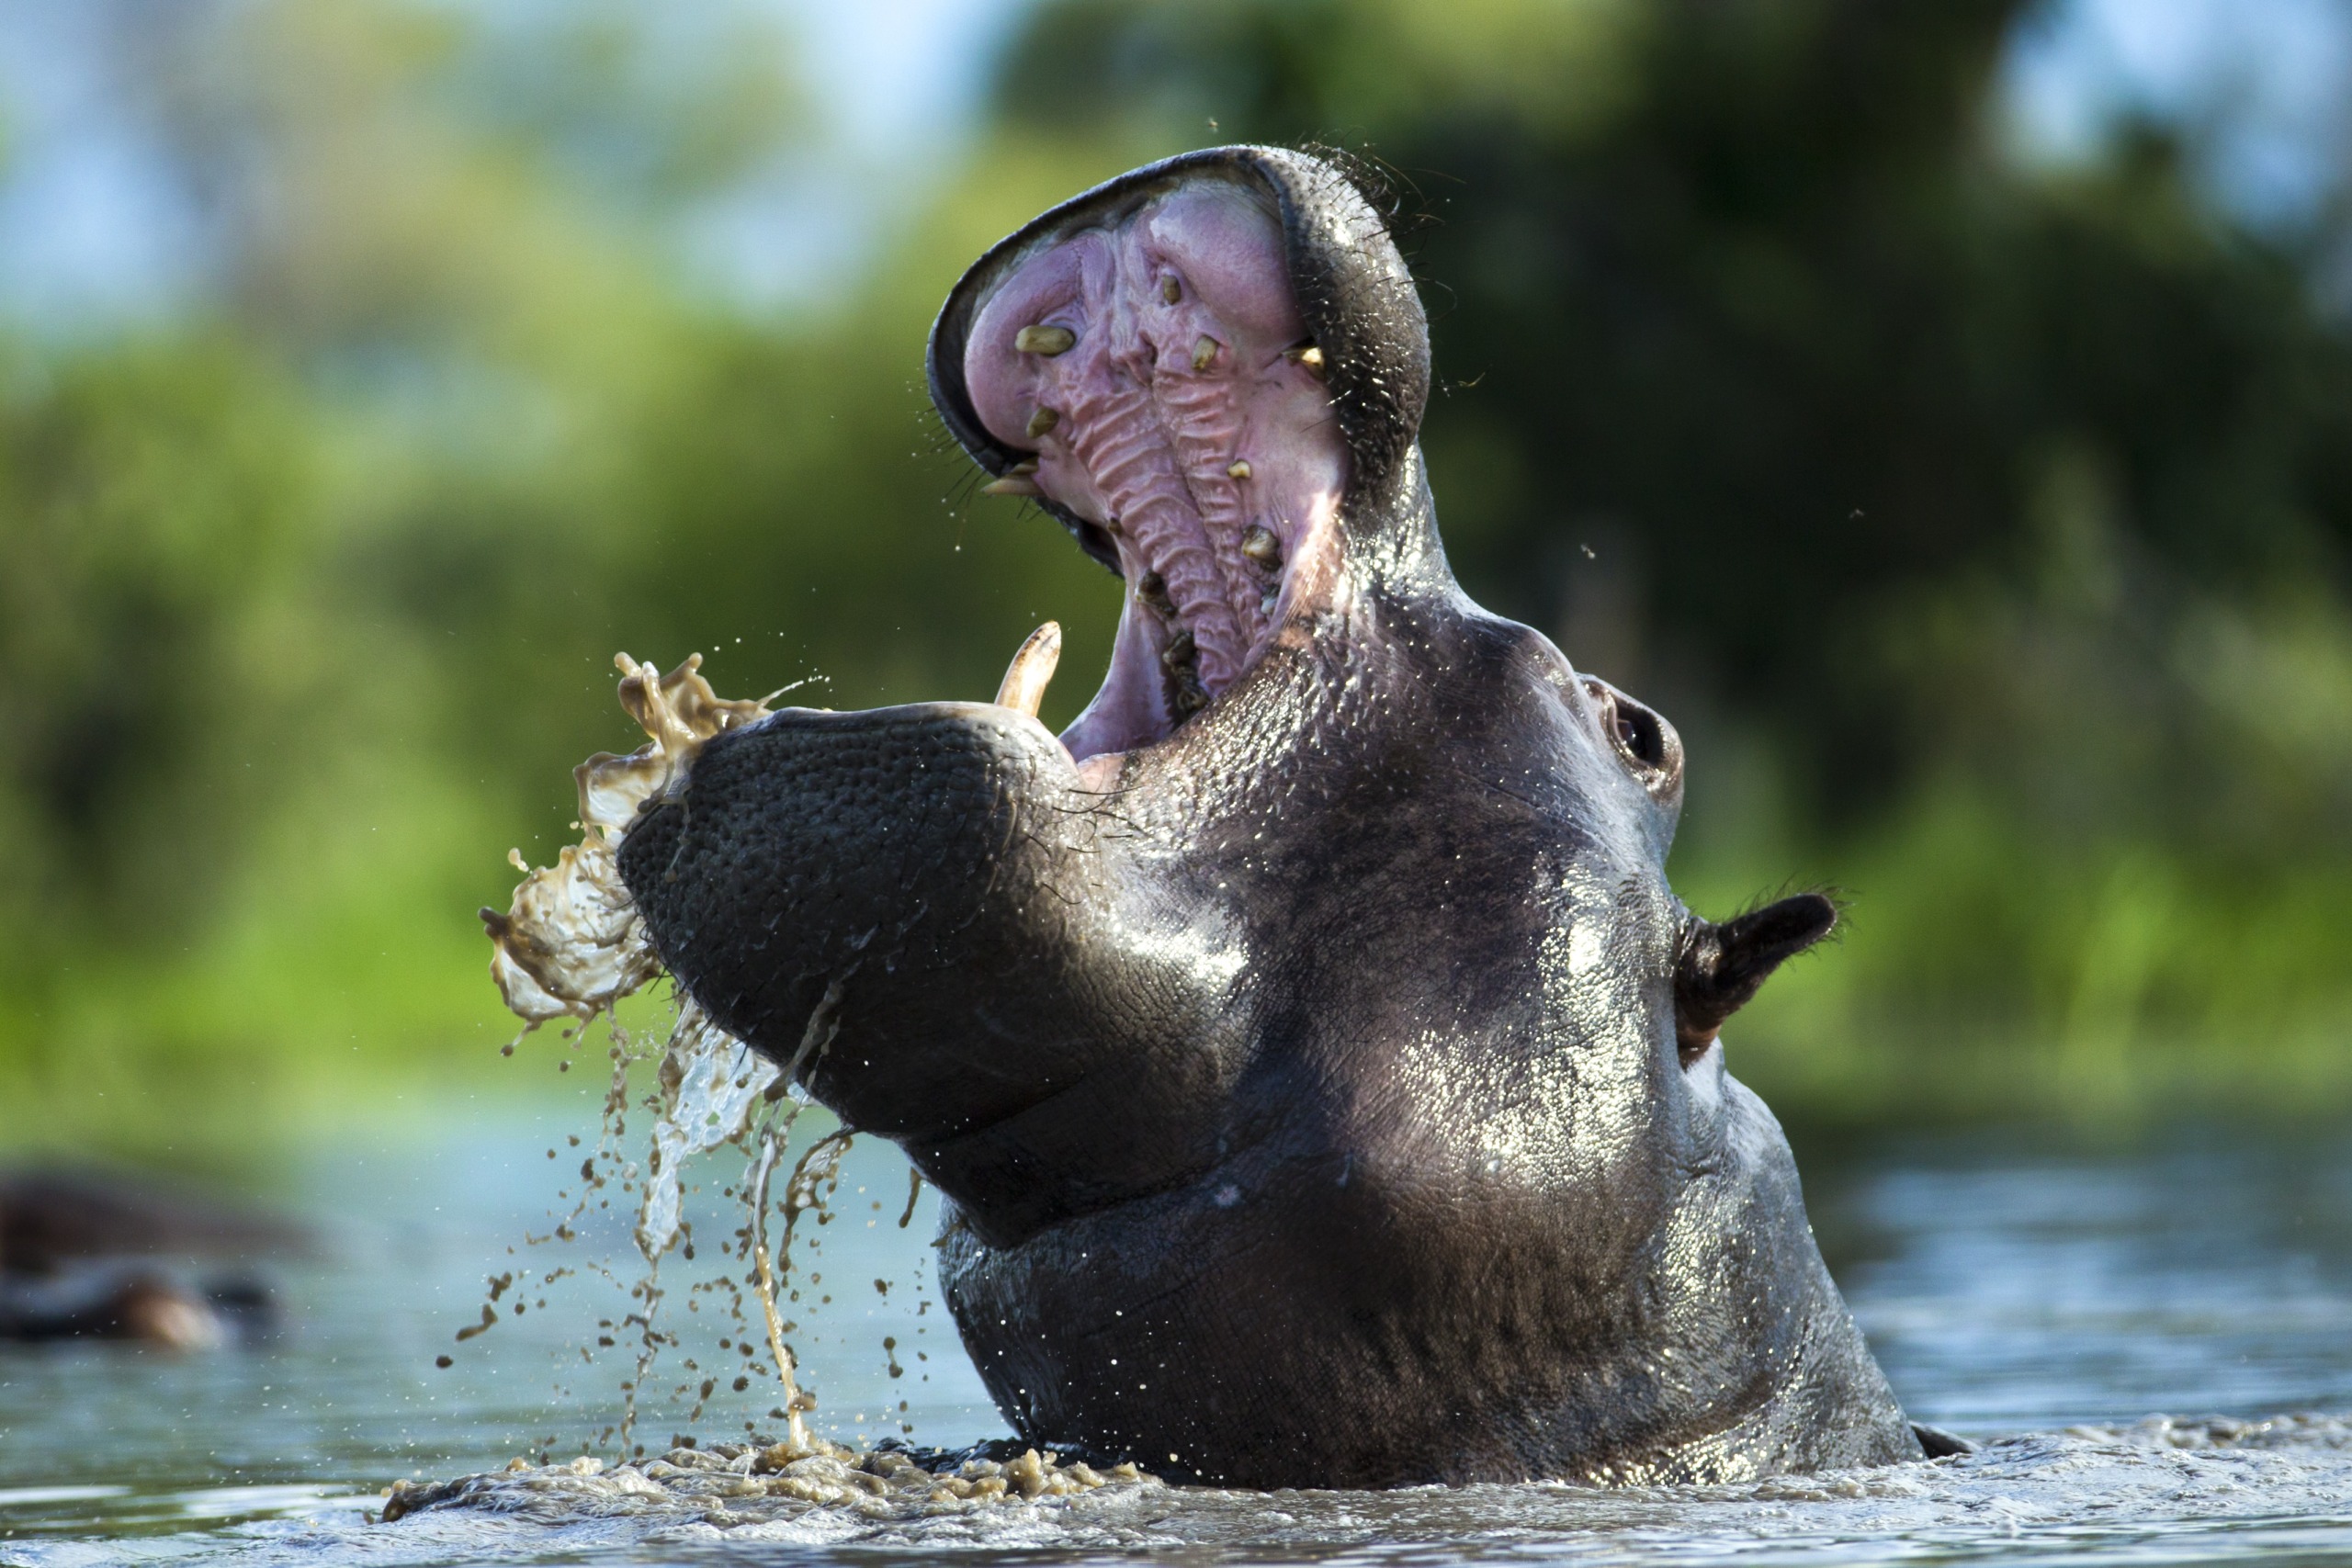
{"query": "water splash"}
pixel 712 1085
pixel 572 945
pixel 739 1483
pixel 2164 1489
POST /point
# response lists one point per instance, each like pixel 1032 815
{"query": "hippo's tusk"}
pixel 1012 484
pixel 1032 669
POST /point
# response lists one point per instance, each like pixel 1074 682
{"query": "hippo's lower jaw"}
pixel 1336 1101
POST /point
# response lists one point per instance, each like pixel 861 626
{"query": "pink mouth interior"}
pixel 1158 370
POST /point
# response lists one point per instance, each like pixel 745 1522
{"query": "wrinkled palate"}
pixel 1158 370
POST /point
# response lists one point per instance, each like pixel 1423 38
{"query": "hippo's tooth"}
pixel 1238 469
pixel 1012 484
pixel 1048 341
pixel 1257 542
pixel 1032 669
pixel 1026 466
pixel 1204 352
pixel 1043 421
pixel 1308 356
pixel 1179 651
pixel 1169 289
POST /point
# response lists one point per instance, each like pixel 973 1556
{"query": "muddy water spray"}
pixel 571 946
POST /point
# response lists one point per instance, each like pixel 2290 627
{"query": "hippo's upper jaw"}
pixel 1173 400
pixel 1320 1072
pixel 1181 367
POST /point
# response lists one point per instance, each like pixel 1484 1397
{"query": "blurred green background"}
pixel 1964 465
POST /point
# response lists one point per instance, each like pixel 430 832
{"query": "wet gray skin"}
pixel 1324 1084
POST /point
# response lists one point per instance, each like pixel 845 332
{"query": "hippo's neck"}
pixel 1351 672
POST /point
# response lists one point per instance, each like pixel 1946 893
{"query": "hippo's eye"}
pixel 1643 739
pixel 1638 735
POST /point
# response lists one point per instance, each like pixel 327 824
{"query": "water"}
pixel 2008 1288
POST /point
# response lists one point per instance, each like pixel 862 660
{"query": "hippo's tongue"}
pixel 1158 368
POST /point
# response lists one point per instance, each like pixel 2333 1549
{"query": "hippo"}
pixel 1323 1085
pixel 90 1255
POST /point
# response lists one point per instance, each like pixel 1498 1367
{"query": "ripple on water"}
pixel 1996 1306
pixel 2164 1488
pixel 2159 1490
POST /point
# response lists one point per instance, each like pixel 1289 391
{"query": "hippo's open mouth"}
pixel 1151 365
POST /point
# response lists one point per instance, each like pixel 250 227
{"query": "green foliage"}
pixel 1984 528
pixel 1771 318
pixel 157 500
pixel 311 610
pixel 1988 530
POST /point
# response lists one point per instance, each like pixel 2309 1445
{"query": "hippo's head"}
pixel 1322 1075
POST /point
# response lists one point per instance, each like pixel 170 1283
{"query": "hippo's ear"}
pixel 1721 967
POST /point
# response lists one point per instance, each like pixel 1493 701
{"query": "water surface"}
pixel 2049 1300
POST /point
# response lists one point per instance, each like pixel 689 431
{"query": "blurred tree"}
pixel 311 601
pixel 2003 512
pixel 1748 290
pixel 1984 526
pixel 156 548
